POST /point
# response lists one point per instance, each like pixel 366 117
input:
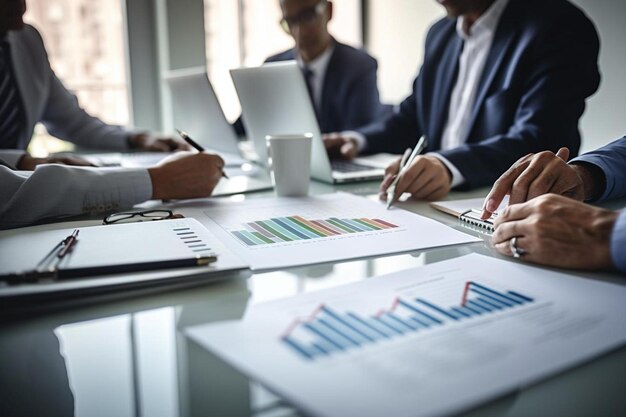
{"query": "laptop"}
pixel 275 100
pixel 197 111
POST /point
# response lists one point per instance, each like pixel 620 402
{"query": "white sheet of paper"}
pixel 118 244
pixel 432 368
pixel 242 226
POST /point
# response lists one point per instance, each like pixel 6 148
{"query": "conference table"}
pixel 125 353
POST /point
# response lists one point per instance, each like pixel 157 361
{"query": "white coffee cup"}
pixel 289 158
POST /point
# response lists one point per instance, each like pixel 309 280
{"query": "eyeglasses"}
pixel 139 216
pixel 305 17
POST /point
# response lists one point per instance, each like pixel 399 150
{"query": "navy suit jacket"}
pixel 349 95
pixel 541 67
pixel 611 159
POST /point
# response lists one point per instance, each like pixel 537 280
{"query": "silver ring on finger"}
pixel 515 250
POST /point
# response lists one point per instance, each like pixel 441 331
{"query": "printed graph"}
pixel 297 228
pixel 326 331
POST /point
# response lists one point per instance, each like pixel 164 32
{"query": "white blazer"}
pixel 54 190
pixel 46 100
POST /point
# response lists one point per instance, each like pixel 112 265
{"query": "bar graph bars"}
pixel 326 331
pixel 297 228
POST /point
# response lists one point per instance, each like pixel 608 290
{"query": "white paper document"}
pixel 428 341
pixel 283 232
pixel 114 256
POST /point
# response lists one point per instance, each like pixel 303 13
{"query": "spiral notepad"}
pixel 472 216
pixel 467 211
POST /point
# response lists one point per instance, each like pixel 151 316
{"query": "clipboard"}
pixel 115 256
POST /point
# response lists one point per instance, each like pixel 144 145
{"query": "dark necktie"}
pixel 308 78
pixel 11 114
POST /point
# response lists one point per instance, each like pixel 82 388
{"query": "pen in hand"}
pixel 196 146
pixel 404 164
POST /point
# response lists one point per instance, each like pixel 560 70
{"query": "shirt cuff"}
pixel 618 242
pixel 11 158
pixel 597 161
pixel 457 177
pixel 361 142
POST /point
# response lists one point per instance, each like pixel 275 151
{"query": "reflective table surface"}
pixel 129 357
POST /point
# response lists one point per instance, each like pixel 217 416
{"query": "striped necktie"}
pixel 11 113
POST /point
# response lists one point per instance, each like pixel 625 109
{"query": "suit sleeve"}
pixel 563 72
pixel 364 100
pixel 58 190
pixel 611 159
pixel 65 119
pixel 397 131
pixel 618 242
pixel 10 157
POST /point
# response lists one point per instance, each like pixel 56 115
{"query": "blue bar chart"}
pixel 297 228
pixel 326 331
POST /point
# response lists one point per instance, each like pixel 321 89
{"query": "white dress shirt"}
pixel 318 68
pixel 476 47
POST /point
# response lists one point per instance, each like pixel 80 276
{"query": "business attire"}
pixel 611 159
pixel 44 99
pixel 516 84
pixel 342 85
pixel 57 190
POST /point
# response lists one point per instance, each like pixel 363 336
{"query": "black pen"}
pixel 68 243
pixel 196 146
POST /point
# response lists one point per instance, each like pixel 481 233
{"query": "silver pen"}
pixel 404 163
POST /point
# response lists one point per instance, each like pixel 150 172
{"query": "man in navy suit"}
pixel 340 78
pixel 557 229
pixel 500 79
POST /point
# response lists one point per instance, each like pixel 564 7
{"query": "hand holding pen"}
pixel 196 146
pixel 405 162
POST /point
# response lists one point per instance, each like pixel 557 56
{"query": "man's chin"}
pixel 452 9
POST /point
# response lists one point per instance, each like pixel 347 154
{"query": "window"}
pixel 85 44
pixel 246 32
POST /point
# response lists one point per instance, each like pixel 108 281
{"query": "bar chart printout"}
pixel 435 340
pixel 326 332
pixel 278 233
pixel 297 228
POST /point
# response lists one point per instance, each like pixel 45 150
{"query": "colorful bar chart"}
pixel 297 228
pixel 326 331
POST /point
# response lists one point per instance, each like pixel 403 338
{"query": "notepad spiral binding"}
pixel 473 217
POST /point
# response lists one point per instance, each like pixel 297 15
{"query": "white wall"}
pixel 397 30
pixel 605 118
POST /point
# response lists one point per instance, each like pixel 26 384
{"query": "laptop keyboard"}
pixel 348 166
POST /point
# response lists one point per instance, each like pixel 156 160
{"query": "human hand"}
pixel 537 174
pixel 186 175
pixel 426 179
pixel 28 162
pixel 555 230
pixel 340 146
pixel 152 143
